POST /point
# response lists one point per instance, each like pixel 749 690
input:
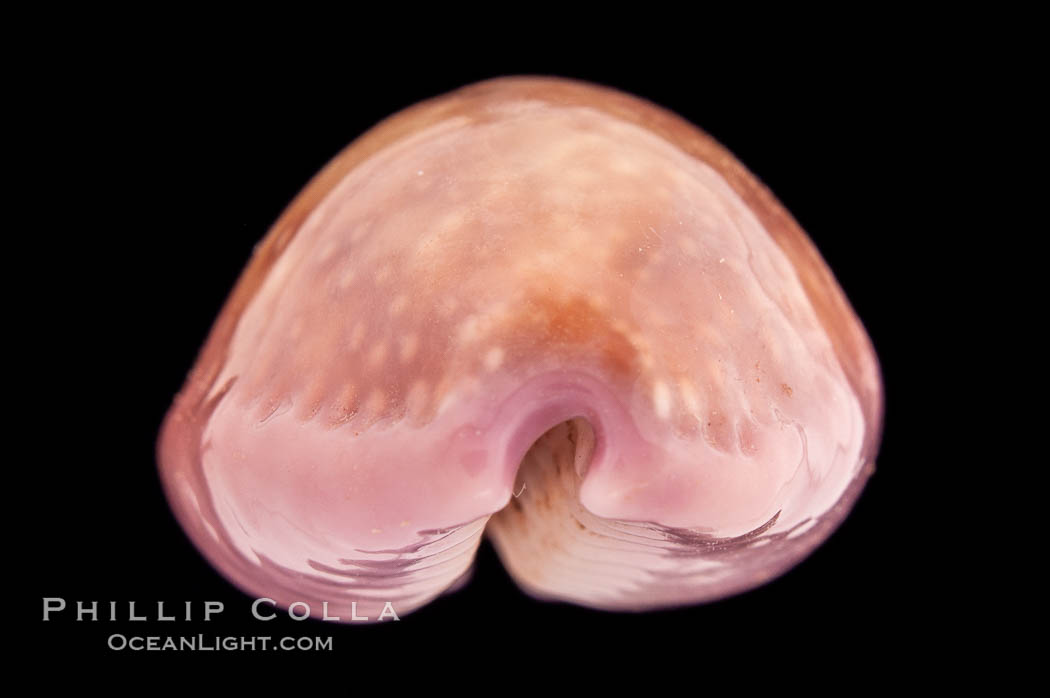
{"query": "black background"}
pixel 157 172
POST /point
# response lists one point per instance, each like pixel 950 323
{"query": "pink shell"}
pixel 525 258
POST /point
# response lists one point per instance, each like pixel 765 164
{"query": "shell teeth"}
pixel 555 549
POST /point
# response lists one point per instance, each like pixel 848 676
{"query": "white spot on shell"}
pixel 493 358
pixel 346 279
pixel 398 304
pixel 377 355
pixel 689 245
pixel 689 396
pixel 376 402
pixel 452 221
pixel 468 329
pixel 328 251
pixel 409 346
pixel 360 231
pixel 356 335
pixel 447 306
pixel 642 347
pixel 662 399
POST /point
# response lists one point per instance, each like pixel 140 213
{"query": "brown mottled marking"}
pixel 571 325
